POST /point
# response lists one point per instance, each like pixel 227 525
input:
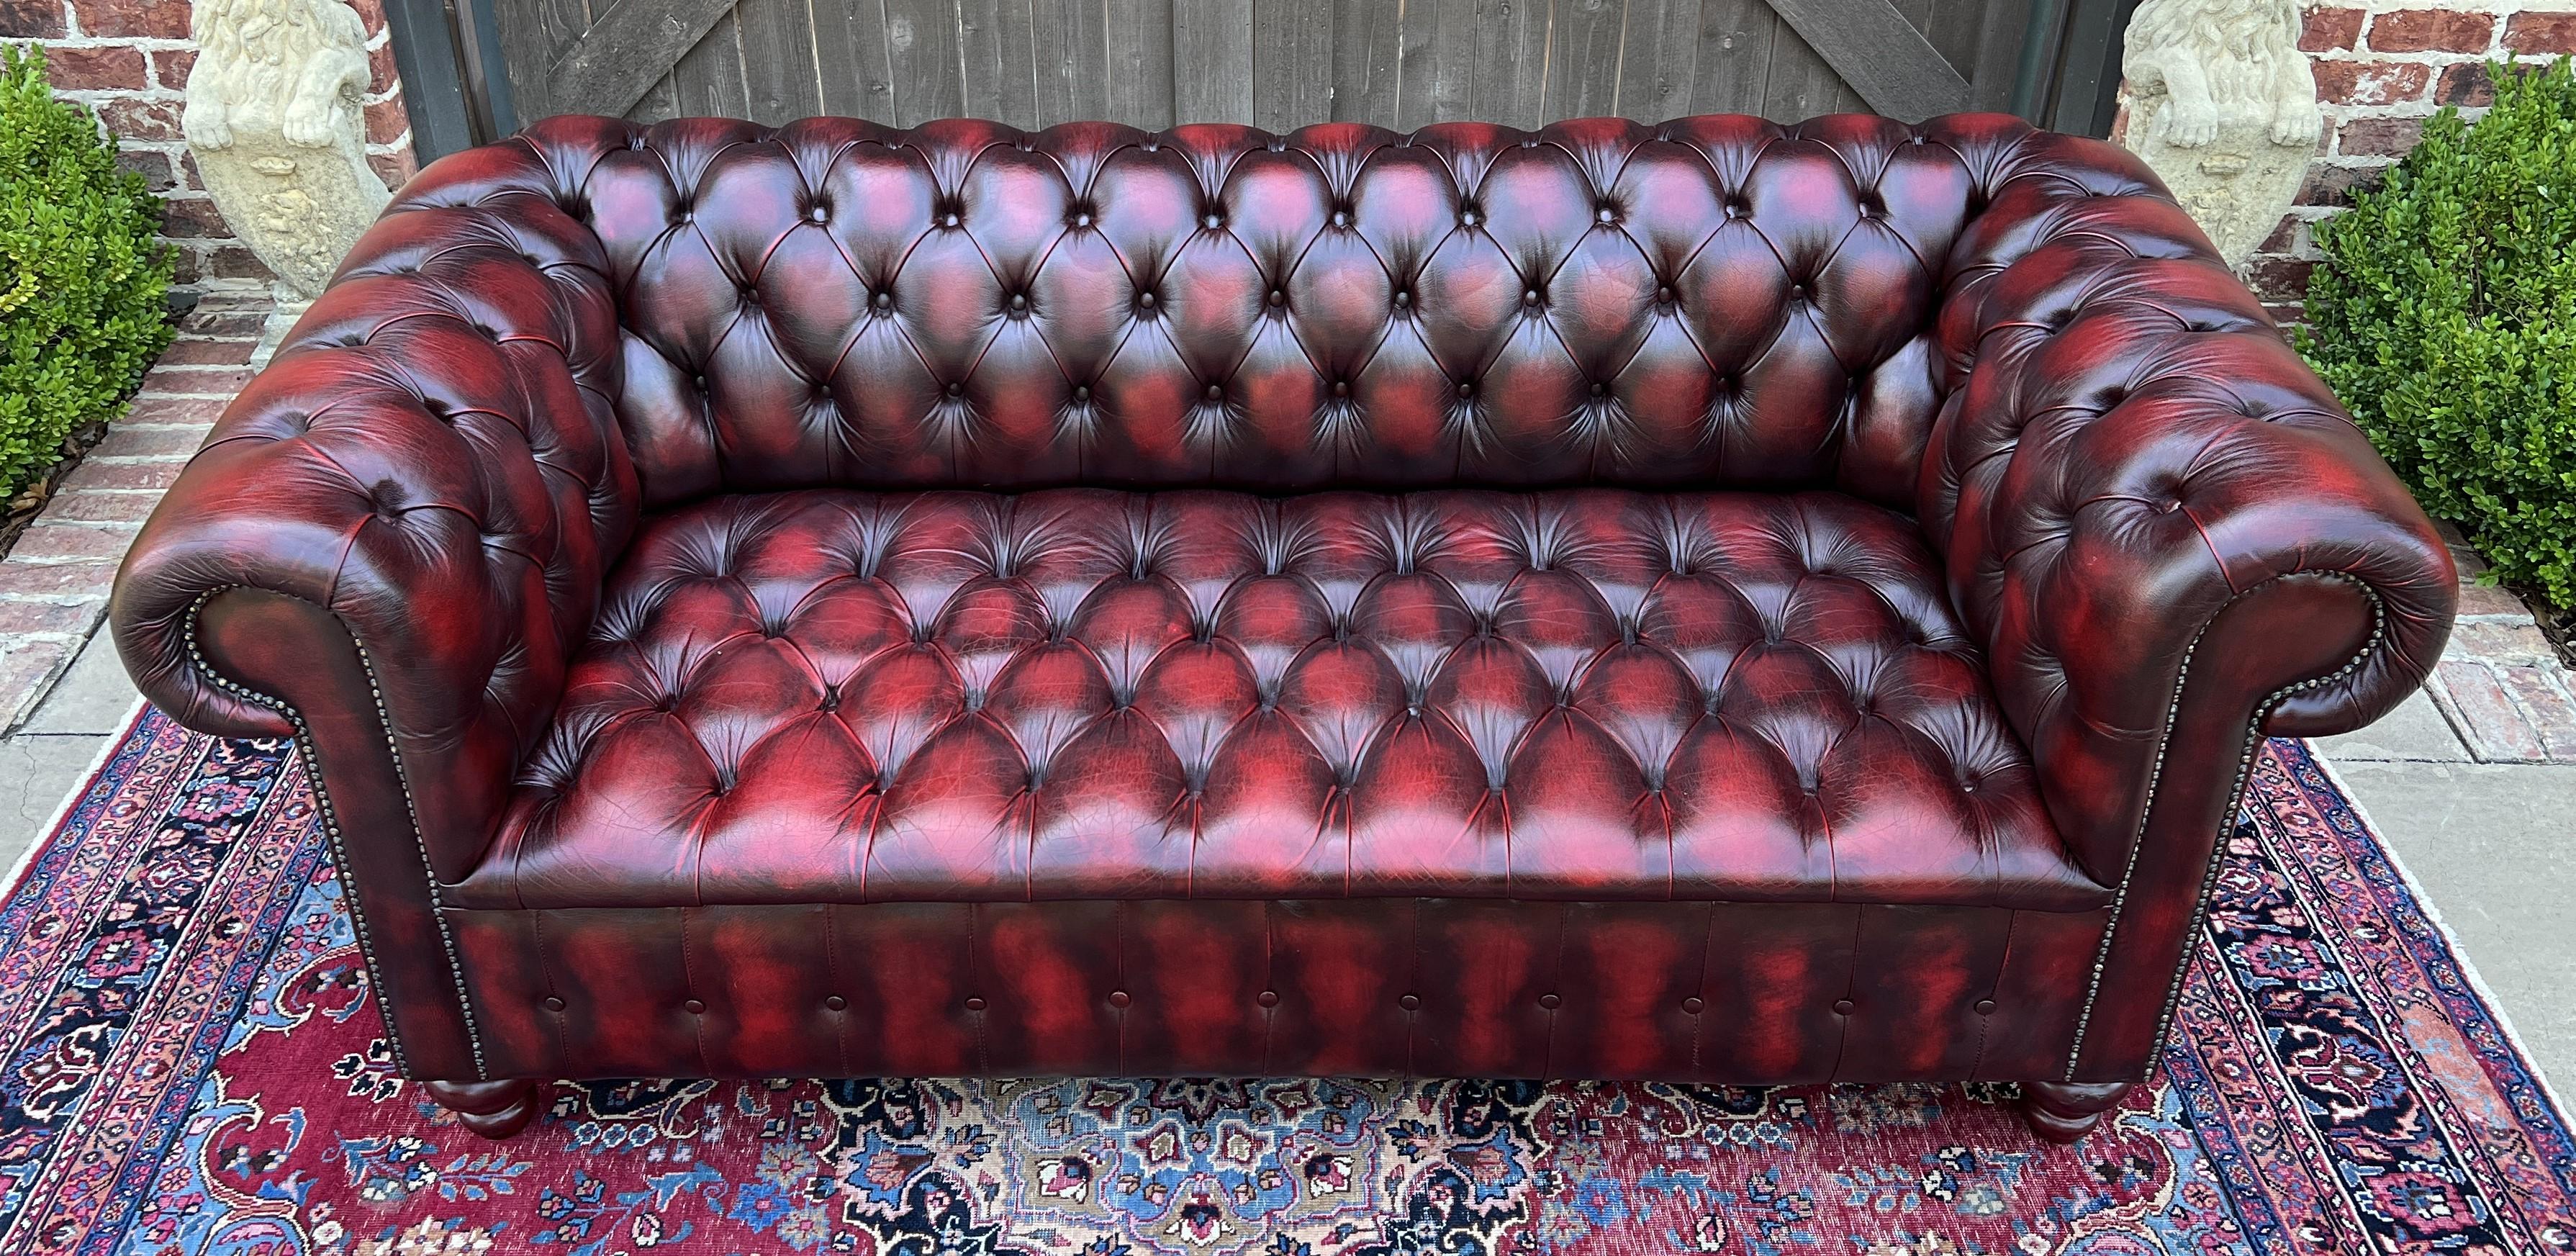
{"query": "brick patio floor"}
pixel 2473 780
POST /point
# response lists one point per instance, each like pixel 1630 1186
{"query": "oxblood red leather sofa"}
pixel 1712 601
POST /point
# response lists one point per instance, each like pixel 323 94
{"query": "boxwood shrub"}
pixel 2445 315
pixel 82 284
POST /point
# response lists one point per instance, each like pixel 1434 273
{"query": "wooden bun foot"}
pixel 495 1109
pixel 2061 1112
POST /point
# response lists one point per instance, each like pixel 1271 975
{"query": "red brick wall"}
pixel 128 60
pixel 2383 67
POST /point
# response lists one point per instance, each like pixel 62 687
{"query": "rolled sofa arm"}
pixel 396 535
pixel 2163 526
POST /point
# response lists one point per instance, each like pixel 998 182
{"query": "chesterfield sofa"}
pixel 1710 602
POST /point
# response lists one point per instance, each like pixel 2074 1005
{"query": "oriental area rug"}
pixel 194 1063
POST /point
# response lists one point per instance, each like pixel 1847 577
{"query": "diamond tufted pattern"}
pixel 1714 600
pixel 1589 694
pixel 1716 301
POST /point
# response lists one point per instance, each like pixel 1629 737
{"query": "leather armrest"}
pixel 2128 449
pixel 432 458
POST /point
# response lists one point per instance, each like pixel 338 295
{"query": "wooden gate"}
pixel 1278 64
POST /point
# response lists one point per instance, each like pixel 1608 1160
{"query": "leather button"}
pixel 1216 392
pixel 1664 293
pixel 1118 998
pixel 700 381
pixel 974 1005
pixel 1469 218
pixel 1341 388
pixel 1549 1001
pixel 836 1003
pixel 1403 298
pixel 1019 300
pixel 1082 392
pixel 817 213
pixel 1409 1002
pixel 694 1007
pixel 1605 214
pixel 1082 220
pixel 1145 299
pixel 1466 390
pixel 1694 1005
pixel 956 388
pixel 1212 222
pixel 554 1004
pixel 1267 998
pixel 1530 297
pixel 1599 388
pixel 1842 1007
pixel 884 301
pixel 1341 218
pixel 1985 1007
pixel 1278 297
pixel 948 220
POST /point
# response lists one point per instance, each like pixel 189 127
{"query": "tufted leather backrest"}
pixel 1715 302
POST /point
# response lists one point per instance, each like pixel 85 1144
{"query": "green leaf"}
pixel 2444 314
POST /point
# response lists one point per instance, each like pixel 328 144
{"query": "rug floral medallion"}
pixel 194 1063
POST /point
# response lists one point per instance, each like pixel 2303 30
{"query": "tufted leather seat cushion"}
pixel 837 696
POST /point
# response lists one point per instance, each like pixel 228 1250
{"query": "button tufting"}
pixel 818 213
pixel 974 1005
pixel 1145 299
pixel 1694 1005
pixel 1410 1002
pixel 1216 392
pixel 1599 388
pixel 1605 214
pixel 1019 300
pixel 1341 388
pixel 1403 298
pixel 1278 297
pixel 1082 392
pixel 1466 389
pixel 1842 1007
pixel 1267 998
pixel 948 220
pixel 554 1004
pixel 883 301
pixel 1530 297
pixel 956 388
pixel 1985 1007
pixel 694 1007
pixel 1118 998
pixel 836 1003
pixel 1549 1001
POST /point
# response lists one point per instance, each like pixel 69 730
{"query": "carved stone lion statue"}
pixel 274 117
pixel 2223 106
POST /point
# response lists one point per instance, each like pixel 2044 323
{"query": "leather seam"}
pixel 2146 815
pixel 331 822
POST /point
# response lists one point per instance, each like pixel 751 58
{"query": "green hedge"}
pixel 2445 314
pixel 82 313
